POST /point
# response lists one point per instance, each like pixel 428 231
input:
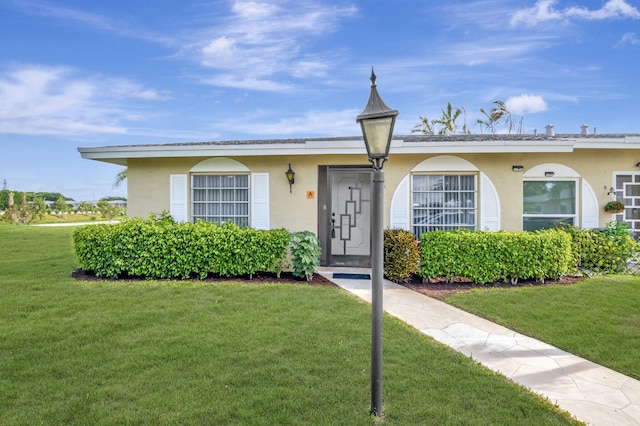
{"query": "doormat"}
pixel 347 276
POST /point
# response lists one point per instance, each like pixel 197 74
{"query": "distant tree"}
pixel 114 198
pixel 85 206
pixel 39 207
pixel 4 199
pixel 120 177
pixel 107 210
pixel 61 206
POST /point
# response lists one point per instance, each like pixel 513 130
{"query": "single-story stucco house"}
pixel 485 182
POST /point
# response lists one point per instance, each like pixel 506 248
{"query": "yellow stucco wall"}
pixel 148 180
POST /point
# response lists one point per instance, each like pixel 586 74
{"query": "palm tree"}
pixel 486 122
pixel 423 127
pixel 501 112
pixel 448 120
pixel 120 177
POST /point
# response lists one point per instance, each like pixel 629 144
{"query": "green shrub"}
pixel 305 252
pixel 485 257
pixel 599 251
pixel 164 249
pixel 401 255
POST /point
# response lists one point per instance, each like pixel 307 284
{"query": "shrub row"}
pixel 604 251
pixel 492 256
pixel 163 249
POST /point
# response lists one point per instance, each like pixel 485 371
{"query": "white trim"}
pixel 445 163
pixel 590 209
pixel 178 197
pixel 559 171
pixel 259 213
pixel 219 165
pixel 489 205
pixel 401 206
pixel 456 145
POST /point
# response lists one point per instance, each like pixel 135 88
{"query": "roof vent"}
pixel 584 130
pixel 549 129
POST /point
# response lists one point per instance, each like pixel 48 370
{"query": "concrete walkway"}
pixel 593 394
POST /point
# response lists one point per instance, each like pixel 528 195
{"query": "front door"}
pixel 349 209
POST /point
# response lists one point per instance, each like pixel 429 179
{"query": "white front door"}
pixel 350 207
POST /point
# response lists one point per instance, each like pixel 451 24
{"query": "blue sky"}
pixel 77 73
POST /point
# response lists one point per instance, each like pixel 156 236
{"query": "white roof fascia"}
pixel 494 146
pixel 626 142
pixel 119 154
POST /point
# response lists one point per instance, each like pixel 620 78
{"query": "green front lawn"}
pixel 597 319
pixel 160 352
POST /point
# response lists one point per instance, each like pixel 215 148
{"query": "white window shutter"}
pixel 590 211
pixel 400 206
pixel 260 201
pixel 178 190
pixel 489 205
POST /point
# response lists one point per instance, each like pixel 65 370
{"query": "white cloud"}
pixel 57 101
pixel 544 11
pixel 262 40
pixel 308 123
pixel 526 104
pixel 628 38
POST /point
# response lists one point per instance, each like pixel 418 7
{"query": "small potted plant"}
pixel 614 207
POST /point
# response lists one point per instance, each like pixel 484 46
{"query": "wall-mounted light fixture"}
pixel 612 191
pixel 638 164
pixel 549 174
pixel 517 168
pixel 290 174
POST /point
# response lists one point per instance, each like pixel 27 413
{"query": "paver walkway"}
pixel 593 394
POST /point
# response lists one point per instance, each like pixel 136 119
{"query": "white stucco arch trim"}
pixel 589 216
pixel 445 163
pixel 489 202
pixel 559 171
pixel 219 165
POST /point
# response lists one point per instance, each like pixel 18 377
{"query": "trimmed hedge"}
pixel 604 251
pixel 484 257
pixel 163 249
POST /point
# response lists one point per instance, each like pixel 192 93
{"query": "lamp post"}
pixel 377 121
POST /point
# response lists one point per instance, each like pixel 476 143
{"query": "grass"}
pixel 161 352
pixel 597 319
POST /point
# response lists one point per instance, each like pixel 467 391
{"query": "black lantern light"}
pixel 377 121
pixel 290 174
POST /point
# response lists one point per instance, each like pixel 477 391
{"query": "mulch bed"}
pixel 440 289
pixel 258 278
pixel 435 288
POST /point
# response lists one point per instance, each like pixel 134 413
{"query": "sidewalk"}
pixel 593 394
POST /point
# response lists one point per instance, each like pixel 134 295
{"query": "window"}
pixel 627 190
pixel 546 203
pixel 221 198
pixel 443 202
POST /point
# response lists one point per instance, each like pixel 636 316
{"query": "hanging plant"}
pixel 614 207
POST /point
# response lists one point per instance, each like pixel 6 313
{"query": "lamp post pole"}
pixel 377 121
pixel 377 272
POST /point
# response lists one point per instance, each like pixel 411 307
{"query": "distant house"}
pixel 486 182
